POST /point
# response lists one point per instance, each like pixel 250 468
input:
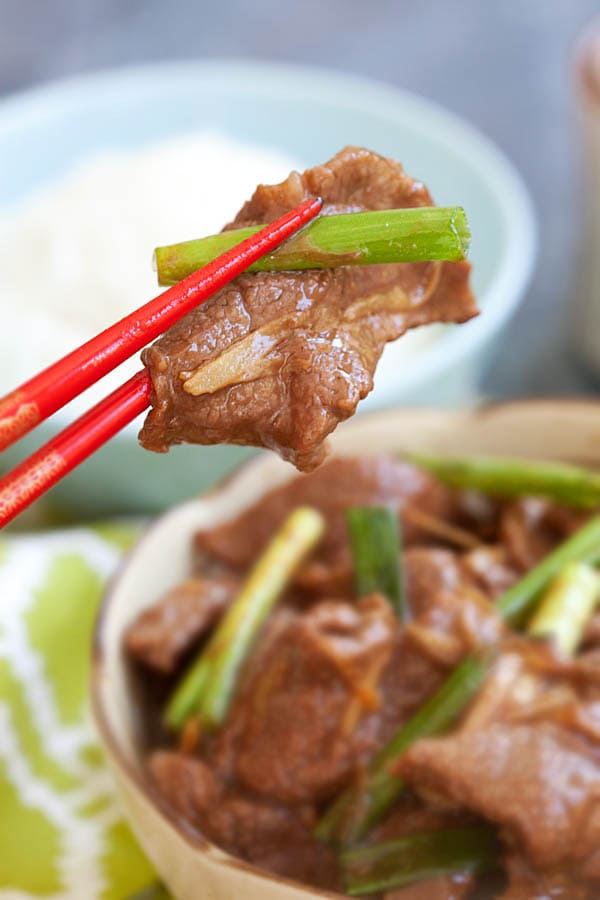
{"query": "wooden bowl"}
pixel 191 866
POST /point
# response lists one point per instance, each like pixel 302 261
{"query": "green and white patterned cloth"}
pixel 61 832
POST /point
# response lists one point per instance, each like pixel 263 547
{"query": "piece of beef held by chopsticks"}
pixel 277 359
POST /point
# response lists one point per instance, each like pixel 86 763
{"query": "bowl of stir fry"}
pixel 377 679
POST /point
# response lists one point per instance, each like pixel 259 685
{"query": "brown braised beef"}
pixel 280 358
pixel 332 677
pixel 165 632
pixel 527 758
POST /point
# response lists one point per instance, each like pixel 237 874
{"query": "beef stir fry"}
pixel 278 359
pixel 383 679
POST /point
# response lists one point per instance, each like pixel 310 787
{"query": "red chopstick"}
pixel 42 395
pixel 39 397
pixel 35 475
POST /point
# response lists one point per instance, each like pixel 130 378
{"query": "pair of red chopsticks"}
pixel 38 398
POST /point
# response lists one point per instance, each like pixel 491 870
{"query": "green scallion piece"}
pixel 583 546
pixel 419 857
pixel 209 685
pixel 420 234
pixel 357 809
pixel 376 547
pixel 567 606
pixel 506 477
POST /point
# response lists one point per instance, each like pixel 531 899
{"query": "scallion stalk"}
pixel 419 857
pixel 565 609
pixel 420 234
pixel 376 547
pixel 209 685
pixel 583 546
pixel 359 807
pixel 506 477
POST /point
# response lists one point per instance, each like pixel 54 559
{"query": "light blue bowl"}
pixel 310 113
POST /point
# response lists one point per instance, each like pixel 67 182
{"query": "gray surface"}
pixel 505 66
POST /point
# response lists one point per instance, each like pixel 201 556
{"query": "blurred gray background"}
pixel 505 66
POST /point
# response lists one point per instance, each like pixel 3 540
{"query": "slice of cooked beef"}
pixel 410 816
pixel 539 781
pixel 491 569
pixel 188 785
pixel 267 834
pixel 591 637
pixel 295 732
pixel 429 572
pixel 531 527
pixel 327 688
pixel 409 678
pixel 341 483
pixel 526 883
pixel 450 614
pixel 527 757
pixel 279 359
pixel 459 621
pixel 443 887
pixel 161 634
pixel 479 513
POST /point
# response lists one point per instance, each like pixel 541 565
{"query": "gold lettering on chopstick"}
pixel 27 486
pixel 17 417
